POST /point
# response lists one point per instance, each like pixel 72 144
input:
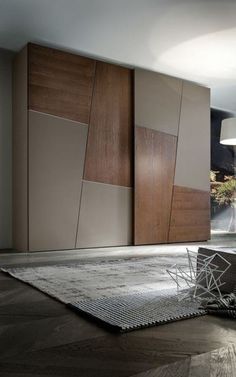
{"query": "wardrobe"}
pixel 105 155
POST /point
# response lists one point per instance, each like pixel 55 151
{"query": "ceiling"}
pixel 191 39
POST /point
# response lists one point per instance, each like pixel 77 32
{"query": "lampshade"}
pixel 228 131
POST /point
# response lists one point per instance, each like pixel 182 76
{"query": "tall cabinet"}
pixel 72 151
pixel 104 155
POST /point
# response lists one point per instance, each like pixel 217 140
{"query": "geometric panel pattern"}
pixel 190 215
pixel 171 107
pixel 60 83
pixel 73 92
pixel 69 88
pixel 105 215
pixel 154 174
pixel 109 153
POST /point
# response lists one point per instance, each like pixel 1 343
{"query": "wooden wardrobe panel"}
pixel 187 198
pixel 56 161
pixel 105 215
pixel 154 173
pixel 109 149
pixel 60 83
pixel 20 152
pixel 190 215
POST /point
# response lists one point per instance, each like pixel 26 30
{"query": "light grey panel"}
pixel 56 161
pixel 193 150
pixel 6 149
pixel 105 215
pixel 20 152
pixel 157 101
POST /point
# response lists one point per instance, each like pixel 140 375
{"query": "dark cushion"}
pixel 229 278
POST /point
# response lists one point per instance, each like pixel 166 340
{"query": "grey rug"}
pixel 78 280
pixel 135 311
pixel 124 294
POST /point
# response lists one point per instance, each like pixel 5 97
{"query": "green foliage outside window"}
pixel 225 194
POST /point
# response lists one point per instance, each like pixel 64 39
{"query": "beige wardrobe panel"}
pixel 20 141
pixel 157 101
pixel 105 215
pixel 56 161
pixel 193 151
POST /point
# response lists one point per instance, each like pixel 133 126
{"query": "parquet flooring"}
pixel 41 337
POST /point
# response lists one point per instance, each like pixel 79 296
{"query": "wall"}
pixel 5 149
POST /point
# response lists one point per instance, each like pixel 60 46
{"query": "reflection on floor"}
pixel 8 257
pixel 41 337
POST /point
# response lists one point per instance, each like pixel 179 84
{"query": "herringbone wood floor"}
pixel 41 337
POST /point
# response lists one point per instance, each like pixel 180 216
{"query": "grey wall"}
pixel 5 149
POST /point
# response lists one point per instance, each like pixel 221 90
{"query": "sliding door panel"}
pixel 60 83
pixel 56 161
pixel 190 215
pixel 157 101
pixel 154 173
pixel 193 152
pixel 109 150
pixel 105 215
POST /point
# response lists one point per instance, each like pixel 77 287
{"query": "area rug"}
pixel 78 280
pixel 140 310
pixel 124 294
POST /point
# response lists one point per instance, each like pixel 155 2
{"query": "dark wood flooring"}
pixel 41 337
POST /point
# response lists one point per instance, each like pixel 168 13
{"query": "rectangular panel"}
pixel 20 152
pixel 6 60
pixel 60 83
pixel 154 173
pixel 56 161
pixel 109 149
pixel 193 152
pixel 105 216
pixel 190 215
pixel 157 101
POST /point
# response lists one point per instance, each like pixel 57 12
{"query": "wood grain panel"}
pixel 60 83
pixel 109 148
pixel 190 215
pixel 20 152
pixel 56 161
pixel 154 173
